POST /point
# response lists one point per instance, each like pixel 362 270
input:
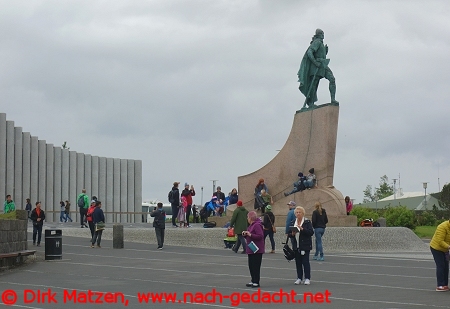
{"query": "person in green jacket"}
pixel 83 207
pixel 8 206
pixel 240 224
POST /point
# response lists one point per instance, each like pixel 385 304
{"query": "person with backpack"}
pixel 89 218
pixel 159 223
pixel 83 204
pixel 174 200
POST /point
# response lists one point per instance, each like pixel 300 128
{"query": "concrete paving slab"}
pixel 346 280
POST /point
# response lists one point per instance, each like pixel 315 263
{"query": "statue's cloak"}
pixel 305 79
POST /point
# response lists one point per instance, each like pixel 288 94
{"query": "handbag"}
pixel 230 232
pixel 100 226
pixel 274 229
pixel 289 254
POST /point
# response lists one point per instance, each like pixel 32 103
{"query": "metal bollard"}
pixel 118 236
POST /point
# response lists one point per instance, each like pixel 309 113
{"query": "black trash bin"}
pixel 53 244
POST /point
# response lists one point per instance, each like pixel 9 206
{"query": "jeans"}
pixel 318 233
pixel 37 230
pixel 302 264
pixel 240 240
pixel 97 237
pixel 254 265
pixel 159 236
pixel 272 241
pixel 62 216
pixel 68 217
pixel 308 183
pixel 441 267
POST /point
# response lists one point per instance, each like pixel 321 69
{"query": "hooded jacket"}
pixel 239 220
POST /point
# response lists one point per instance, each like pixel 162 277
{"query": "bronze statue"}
pixel 314 66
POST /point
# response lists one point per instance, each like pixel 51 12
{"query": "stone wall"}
pixel 13 235
pixel 32 168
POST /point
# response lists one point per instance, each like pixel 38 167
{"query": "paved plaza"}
pixel 343 280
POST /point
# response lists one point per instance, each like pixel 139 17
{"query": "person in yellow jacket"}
pixel 440 246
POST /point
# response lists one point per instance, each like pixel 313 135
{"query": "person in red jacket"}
pixel 188 193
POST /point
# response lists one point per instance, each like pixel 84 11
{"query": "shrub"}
pixel 426 218
pixel 400 216
pixel 363 213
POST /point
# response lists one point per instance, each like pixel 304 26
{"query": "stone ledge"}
pixel 335 239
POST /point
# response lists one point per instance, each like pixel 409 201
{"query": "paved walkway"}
pixel 346 280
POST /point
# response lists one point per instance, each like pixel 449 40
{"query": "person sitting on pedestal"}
pixel 298 185
pixel 310 181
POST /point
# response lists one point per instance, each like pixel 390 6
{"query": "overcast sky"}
pixel 202 90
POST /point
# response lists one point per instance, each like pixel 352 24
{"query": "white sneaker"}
pixel 298 281
pixel 307 282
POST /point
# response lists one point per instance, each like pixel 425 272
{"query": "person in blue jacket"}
pixel 98 217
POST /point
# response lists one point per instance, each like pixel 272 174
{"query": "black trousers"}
pixel 174 213
pixel 37 230
pixel 254 265
pixel 188 213
pixel 83 212
pixel 92 228
pixel 159 236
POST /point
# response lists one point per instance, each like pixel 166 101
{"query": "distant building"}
pixel 412 200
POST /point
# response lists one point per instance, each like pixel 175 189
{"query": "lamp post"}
pixel 395 193
pixel 425 185
pixel 376 202
pixel 202 196
pixel 214 185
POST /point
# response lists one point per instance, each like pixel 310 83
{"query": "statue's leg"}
pixel 329 75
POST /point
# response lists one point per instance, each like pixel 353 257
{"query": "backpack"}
pixel 81 201
pixel 209 224
pixel 171 197
pixel 289 254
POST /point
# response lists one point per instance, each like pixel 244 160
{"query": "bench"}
pixel 16 257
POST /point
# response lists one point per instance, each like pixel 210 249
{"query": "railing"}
pixel 111 216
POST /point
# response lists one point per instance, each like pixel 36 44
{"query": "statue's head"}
pixel 319 33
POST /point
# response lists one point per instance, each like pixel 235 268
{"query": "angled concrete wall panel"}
pixel 34 170
pixel 18 167
pixel 2 154
pixel 31 168
pixel 26 167
pixel 10 158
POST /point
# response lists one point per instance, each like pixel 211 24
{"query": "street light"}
pixel 202 196
pixel 214 185
pixel 395 196
pixel 376 202
pixel 425 185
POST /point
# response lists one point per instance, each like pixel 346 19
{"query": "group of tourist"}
pixel 251 232
pixel 304 182
pixel 65 211
pixel 181 204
